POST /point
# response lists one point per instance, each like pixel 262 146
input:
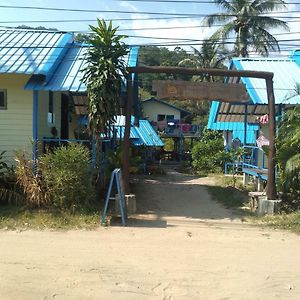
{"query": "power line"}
pixel 190 1
pixel 117 11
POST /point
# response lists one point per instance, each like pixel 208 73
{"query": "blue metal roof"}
pixel 148 135
pixel 286 75
pixel 69 74
pixel 142 135
pixel 32 51
pixel 237 128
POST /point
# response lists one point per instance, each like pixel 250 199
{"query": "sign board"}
pixel 186 90
pixel 116 177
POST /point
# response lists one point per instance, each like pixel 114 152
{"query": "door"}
pixel 64 116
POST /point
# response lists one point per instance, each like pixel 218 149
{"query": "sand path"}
pixel 181 245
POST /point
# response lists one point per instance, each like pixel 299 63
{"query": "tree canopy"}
pixel 210 55
pixel 246 20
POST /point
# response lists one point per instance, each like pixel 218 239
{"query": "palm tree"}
pixel 246 19
pixel 210 56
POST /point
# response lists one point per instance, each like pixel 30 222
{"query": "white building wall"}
pixel 151 109
pixel 16 120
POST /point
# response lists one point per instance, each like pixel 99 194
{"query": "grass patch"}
pixel 16 218
pixel 228 196
pixel 238 200
pixel 234 198
pixel 280 221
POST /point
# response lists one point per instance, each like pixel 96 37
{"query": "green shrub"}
pixel 288 159
pixel 9 192
pixel 114 160
pixel 8 188
pixel 208 155
pixel 67 177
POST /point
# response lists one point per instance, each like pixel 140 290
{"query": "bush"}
pixel 208 155
pixel 67 177
pixel 8 188
pixel 288 159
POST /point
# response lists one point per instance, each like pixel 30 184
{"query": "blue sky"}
pixel 189 32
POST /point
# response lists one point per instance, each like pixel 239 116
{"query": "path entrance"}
pixel 176 199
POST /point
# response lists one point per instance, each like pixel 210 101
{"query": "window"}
pixel 161 117
pixel 170 118
pixel 3 99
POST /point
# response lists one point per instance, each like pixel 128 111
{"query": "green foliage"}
pixel 229 196
pixel 283 221
pixel 20 218
pixel 103 75
pixel 114 160
pixel 82 38
pixel 208 155
pixel 3 165
pixel 169 144
pixel 288 158
pixel 211 55
pixel 66 175
pixel 8 188
pixel 36 28
pixel 248 22
pixel 160 56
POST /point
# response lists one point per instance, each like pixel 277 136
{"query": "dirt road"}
pixel 181 245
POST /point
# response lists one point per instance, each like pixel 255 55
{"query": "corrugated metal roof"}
pixel 32 51
pixel 237 127
pixel 142 135
pixel 69 74
pixel 148 135
pixel 286 75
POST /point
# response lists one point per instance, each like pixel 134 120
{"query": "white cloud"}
pixel 129 5
pixel 171 30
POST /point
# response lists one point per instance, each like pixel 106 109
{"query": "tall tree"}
pixel 246 19
pixel 103 75
pixel 210 55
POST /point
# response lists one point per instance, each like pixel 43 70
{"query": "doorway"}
pixel 64 131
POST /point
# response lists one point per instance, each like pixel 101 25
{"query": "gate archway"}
pixel 267 76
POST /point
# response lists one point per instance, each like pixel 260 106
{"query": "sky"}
pixel 174 29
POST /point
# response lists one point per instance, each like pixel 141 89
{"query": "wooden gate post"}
pixel 271 185
pixel 126 142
